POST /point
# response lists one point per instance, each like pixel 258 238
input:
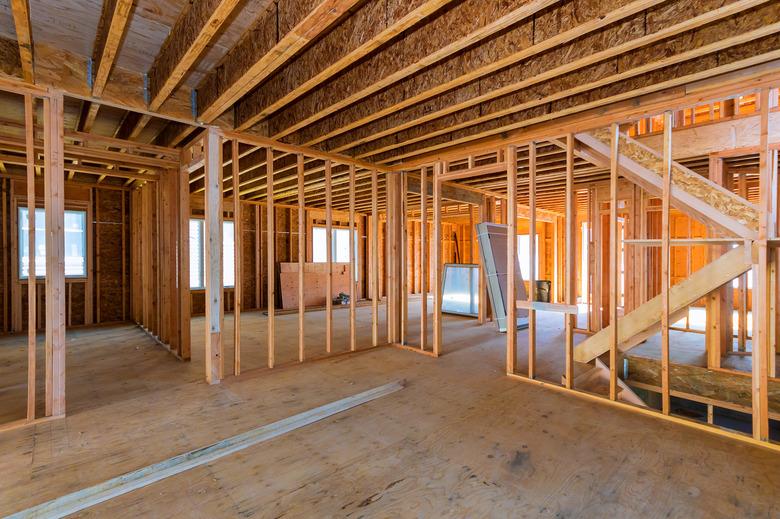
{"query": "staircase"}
pixel 692 194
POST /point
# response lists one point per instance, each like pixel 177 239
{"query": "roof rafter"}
pixel 111 30
pixel 21 13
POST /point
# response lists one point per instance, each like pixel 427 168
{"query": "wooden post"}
pixel 237 239
pixel 761 292
pixel 613 261
pixel 54 204
pixel 374 260
pixel 271 246
pixel 301 260
pixel 532 254
pixel 329 258
pixel 571 270
pixel 183 281
pixel 213 259
pixel 352 267
pixel 511 259
pixel 665 259
pixel 32 292
pixel 404 253
pixel 424 257
pixel 437 266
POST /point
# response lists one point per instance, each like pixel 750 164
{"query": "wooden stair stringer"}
pixel 720 271
pixel 690 193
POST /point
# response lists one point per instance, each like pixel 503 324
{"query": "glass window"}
pixel 339 247
pixel 198 254
pixel 75 231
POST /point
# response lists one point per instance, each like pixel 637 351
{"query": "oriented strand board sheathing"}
pixel 683 178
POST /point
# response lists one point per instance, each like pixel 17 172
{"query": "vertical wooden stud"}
pixel 329 257
pixel 532 254
pixel 424 257
pixel 511 259
pixel 374 259
pixel 271 246
pixel 665 259
pixel 213 257
pixel 352 261
pixel 29 131
pixel 437 263
pixel 237 257
pixel 571 269
pixel 613 260
pixel 301 260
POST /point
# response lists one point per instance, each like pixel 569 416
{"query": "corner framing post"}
pixel 511 259
pixel 54 204
pixel 212 149
pixel 613 260
pixel 665 259
pixel 571 270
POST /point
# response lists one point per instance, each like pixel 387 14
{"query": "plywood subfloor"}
pixel 462 440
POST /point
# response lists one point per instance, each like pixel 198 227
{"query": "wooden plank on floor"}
pixel 91 496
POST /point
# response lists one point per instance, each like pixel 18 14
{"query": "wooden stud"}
pixel 437 260
pixel 238 290
pixel 665 260
pixel 301 261
pixel 511 259
pixel 352 262
pixel 184 265
pixel 54 204
pixel 271 249
pixel 31 276
pixel 329 257
pixel 571 270
pixel 374 260
pixel 532 255
pixel 613 260
pixel 403 249
pixel 424 257
pixel 212 149
pixel 761 282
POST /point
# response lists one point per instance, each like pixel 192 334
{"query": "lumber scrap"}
pixel 91 496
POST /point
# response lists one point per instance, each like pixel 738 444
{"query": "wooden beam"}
pixel 511 260
pixel 666 197
pixel 54 205
pixel 352 262
pixel 260 52
pixel 424 260
pixel 21 13
pixel 238 290
pixel 212 149
pixel 111 30
pixel 271 263
pixel 190 36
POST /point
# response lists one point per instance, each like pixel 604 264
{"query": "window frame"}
pixel 335 228
pixel 21 205
pixel 202 263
